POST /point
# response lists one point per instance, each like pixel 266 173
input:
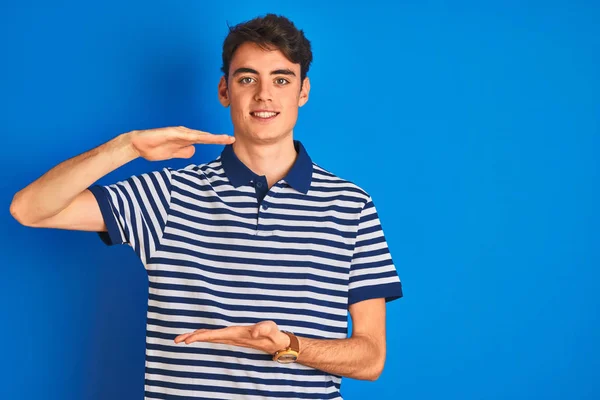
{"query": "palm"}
pixel 264 336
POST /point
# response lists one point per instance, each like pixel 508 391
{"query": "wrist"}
pixel 282 341
pixel 289 353
pixel 126 147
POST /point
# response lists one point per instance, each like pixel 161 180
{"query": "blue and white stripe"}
pixel 219 251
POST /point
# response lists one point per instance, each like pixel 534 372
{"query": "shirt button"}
pixel 265 207
pixel 259 184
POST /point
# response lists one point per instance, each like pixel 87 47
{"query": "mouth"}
pixel 264 116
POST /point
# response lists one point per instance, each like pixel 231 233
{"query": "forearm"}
pixel 358 357
pixel 56 189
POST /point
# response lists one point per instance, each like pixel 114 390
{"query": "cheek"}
pixel 292 109
pixel 237 112
pixel 238 108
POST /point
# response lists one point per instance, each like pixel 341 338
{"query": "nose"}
pixel 263 91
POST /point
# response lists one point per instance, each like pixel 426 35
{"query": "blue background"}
pixel 476 129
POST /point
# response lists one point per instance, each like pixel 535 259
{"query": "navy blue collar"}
pixel 299 176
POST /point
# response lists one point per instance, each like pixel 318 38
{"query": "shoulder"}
pixel 324 179
pixel 207 170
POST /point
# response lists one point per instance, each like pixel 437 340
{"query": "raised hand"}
pixel 172 142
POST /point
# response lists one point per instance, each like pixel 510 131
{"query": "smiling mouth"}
pixel 264 115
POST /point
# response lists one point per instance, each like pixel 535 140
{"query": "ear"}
pixel 304 92
pixel 223 92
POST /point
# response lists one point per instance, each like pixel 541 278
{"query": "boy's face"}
pixel 262 80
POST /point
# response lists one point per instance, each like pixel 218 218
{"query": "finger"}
pixel 210 138
pixel 219 341
pixel 181 338
pixel 185 152
pixel 267 328
pixel 202 137
pixel 213 335
pixel 255 333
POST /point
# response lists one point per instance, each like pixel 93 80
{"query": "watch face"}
pixel 287 358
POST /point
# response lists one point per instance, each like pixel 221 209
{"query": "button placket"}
pixel 264 207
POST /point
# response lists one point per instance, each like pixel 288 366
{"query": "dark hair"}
pixel 268 32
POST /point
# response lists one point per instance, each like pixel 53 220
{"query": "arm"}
pixel 46 201
pixel 60 198
pixel 361 356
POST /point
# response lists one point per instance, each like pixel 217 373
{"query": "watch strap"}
pixel 294 343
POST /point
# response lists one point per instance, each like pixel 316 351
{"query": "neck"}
pixel 274 160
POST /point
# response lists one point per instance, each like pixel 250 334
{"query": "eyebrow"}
pixel 253 71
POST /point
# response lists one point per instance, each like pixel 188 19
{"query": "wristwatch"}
pixel 289 354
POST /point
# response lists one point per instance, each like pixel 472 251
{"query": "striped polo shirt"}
pixel 221 248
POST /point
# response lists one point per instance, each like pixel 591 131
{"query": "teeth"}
pixel 264 114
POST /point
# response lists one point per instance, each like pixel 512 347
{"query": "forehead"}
pixel 251 55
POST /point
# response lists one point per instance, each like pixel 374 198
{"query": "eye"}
pixel 245 80
pixel 282 81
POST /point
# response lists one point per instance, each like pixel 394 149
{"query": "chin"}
pixel 265 136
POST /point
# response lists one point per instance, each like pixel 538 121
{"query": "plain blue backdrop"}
pixel 475 128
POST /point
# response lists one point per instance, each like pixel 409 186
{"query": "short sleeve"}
pixel 372 271
pixel 135 210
